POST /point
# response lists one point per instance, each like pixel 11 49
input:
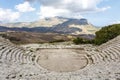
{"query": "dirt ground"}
pixel 62 60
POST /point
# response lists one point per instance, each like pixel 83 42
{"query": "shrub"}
pixel 102 36
pixel 82 41
pixel 61 40
pixel 107 33
pixel 78 41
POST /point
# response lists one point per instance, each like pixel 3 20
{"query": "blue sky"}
pixel 98 12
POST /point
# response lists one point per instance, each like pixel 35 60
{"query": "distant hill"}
pixel 55 25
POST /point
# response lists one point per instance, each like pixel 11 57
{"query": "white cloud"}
pixel 103 9
pixel 25 7
pixel 115 22
pixel 7 15
pixel 69 8
pixel 52 12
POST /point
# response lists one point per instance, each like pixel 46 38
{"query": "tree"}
pixel 107 33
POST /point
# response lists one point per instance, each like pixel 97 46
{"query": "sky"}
pixel 98 12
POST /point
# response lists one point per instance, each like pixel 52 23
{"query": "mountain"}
pixel 75 26
pixel 2 29
pixel 55 25
pixel 35 29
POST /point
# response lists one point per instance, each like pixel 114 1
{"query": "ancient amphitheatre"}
pixel 46 61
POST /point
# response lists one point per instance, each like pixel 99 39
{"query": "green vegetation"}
pixel 105 34
pixel 82 41
pixel 61 40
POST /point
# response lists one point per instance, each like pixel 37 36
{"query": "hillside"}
pixel 75 26
pixel 55 25
pixel 30 37
pixel 34 37
pixel 107 33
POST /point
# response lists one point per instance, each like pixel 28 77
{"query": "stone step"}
pixel 2 47
pixel 15 56
pixel 3 51
pixel 99 57
pixel 9 56
pixel 95 58
pixel 116 52
pixel 24 58
pixel 7 53
pixel 118 49
pixel 21 59
pixel 109 56
pixel 103 56
pixel 28 57
pixel 111 45
pixel 111 51
pixel 7 44
pixel 18 55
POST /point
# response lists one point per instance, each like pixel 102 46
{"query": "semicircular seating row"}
pixel 12 53
pixel 108 52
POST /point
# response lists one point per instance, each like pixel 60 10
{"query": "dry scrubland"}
pixel 60 61
pixel 35 37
